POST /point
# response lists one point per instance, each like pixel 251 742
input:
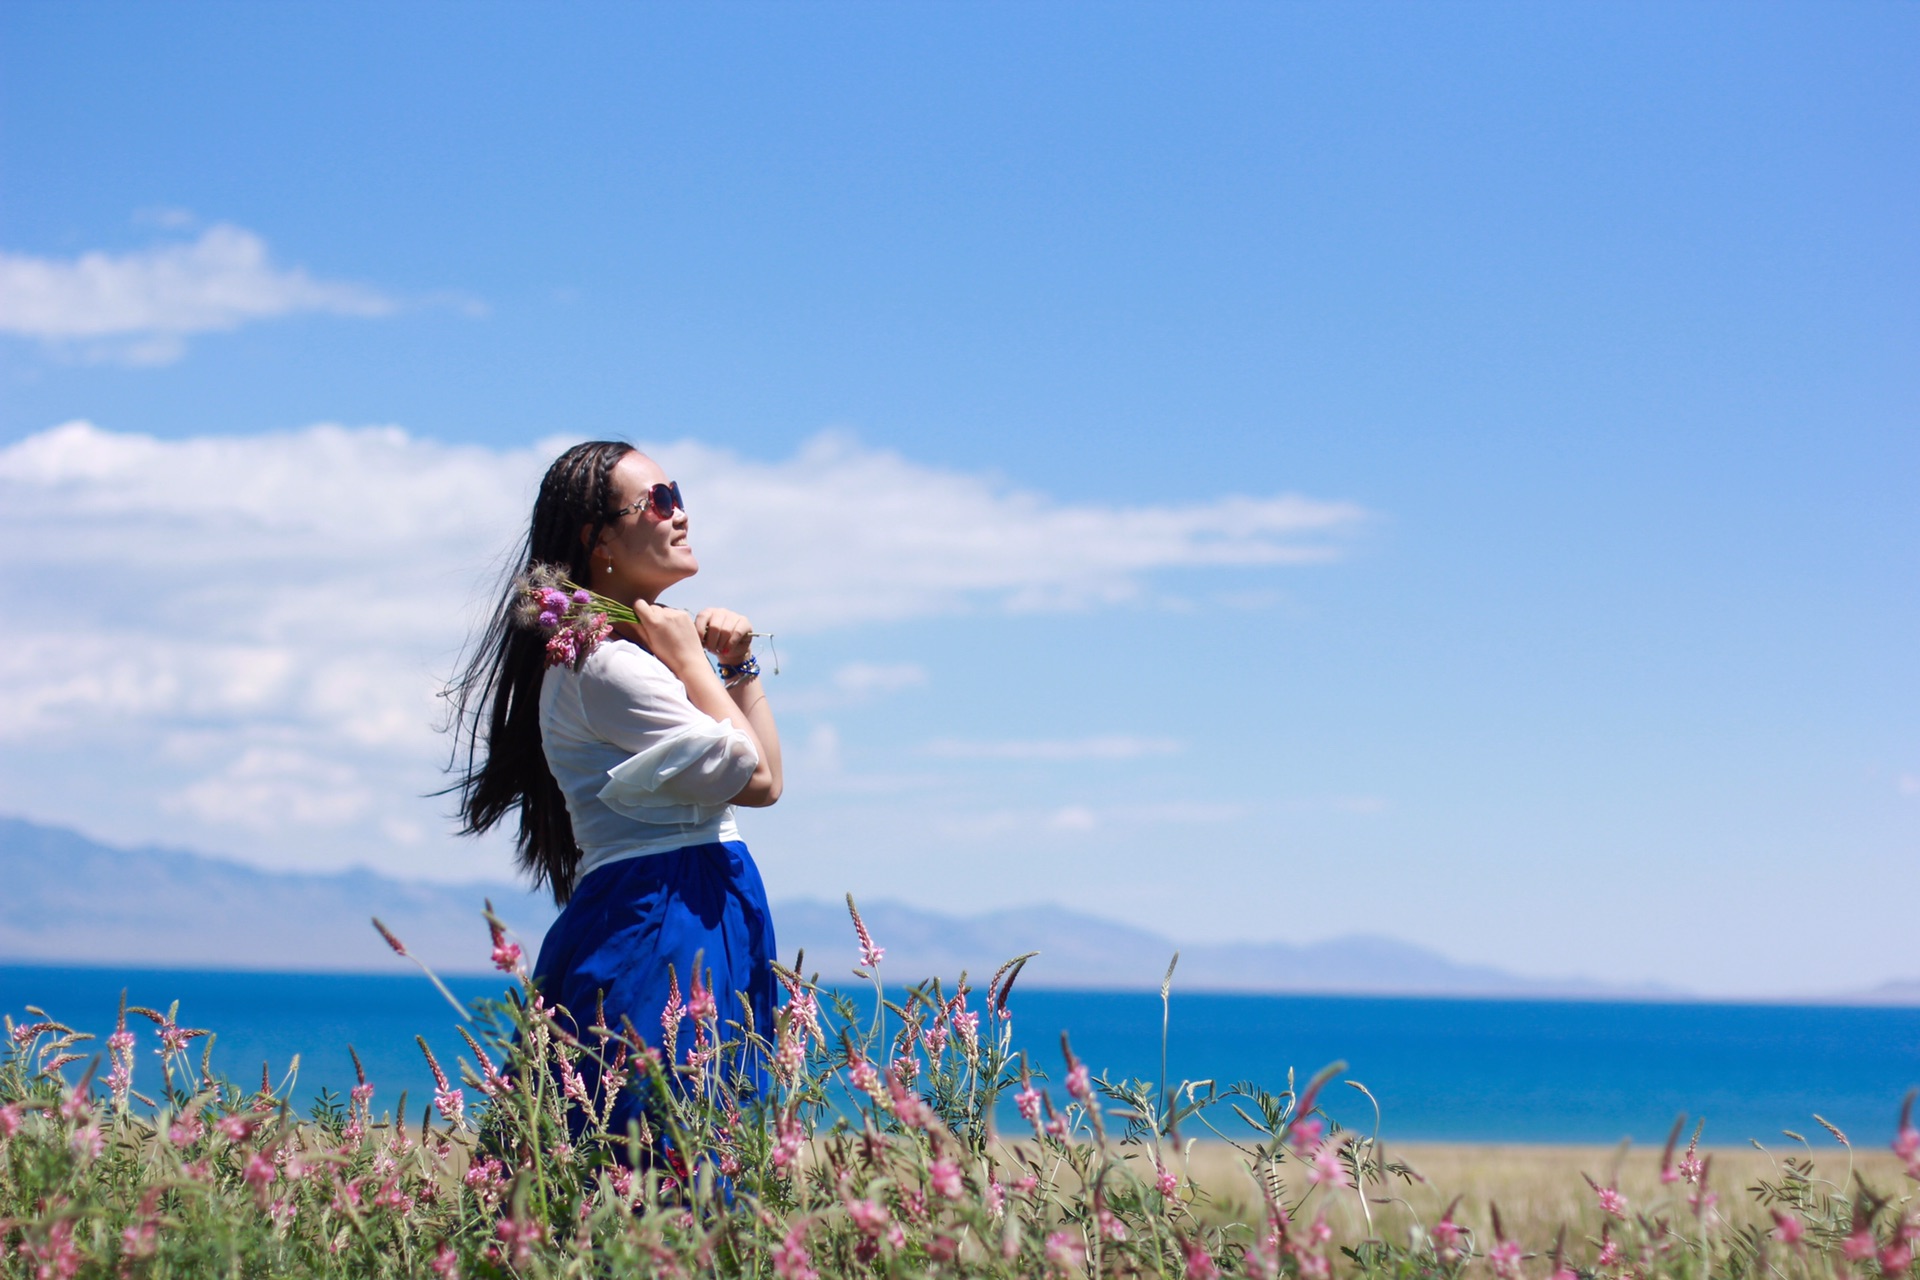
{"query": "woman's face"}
pixel 647 554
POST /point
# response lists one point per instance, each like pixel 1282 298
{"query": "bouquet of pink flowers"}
pixel 573 619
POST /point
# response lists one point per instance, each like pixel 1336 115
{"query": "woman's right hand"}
pixel 671 636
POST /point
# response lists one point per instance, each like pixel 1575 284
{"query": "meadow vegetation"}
pixel 899 1136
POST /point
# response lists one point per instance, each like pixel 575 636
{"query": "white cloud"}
pixel 1073 817
pixel 253 629
pixel 139 307
pixel 1113 746
pixel 900 540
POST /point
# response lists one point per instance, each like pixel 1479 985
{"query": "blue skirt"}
pixel 628 921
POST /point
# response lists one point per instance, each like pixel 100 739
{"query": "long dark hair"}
pixel 496 697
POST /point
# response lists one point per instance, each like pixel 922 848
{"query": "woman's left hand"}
pixel 725 634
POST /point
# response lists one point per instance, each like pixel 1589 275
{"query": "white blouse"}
pixel 642 768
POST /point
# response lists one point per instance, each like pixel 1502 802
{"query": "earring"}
pixel 609 566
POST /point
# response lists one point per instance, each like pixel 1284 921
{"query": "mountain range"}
pixel 71 900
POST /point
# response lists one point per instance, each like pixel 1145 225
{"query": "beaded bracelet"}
pixel 732 673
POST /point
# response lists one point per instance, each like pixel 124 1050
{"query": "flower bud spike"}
pixel 400 949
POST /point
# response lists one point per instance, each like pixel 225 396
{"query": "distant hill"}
pixel 68 899
pixel 1082 951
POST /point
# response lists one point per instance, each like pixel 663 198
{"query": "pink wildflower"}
pixel 571 1084
pixel 909 1106
pixel 446 1262
pixel 1319 1232
pixel 1896 1259
pixel 1200 1263
pixel 506 954
pixel 1027 1103
pixel 1612 1203
pixel 864 1078
pixel 1505 1260
pixel 260 1171
pixel 492 1083
pixel 390 1196
pixel 966 1024
pixel 141 1239
pixel 1305 1135
pixel 174 1038
pixel 791 1138
pixel 869 954
pixel 520 1237
pixel 1066 1251
pixel 1327 1167
pixel 487 1177
pixel 11 1118
pixel 563 648
pixel 1111 1227
pixel 186 1130
pixel 59 1259
pixel 700 1002
pixel 1025 1184
pixel 1906 1145
pixel 450 1102
pixel 1079 1083
pixel 791 1261
pixel 791 1055
pixel 1446 1235
pixel 1690 1165
pixel 944 1177
pixel 1164 1181
pixel 238 1128
pixel 1860 1246
pixel 935 1039
pixel 996 1197
pixel 869 1217
pixel 905 1068
pixel 1609 1255
pixel 90 1141
pixel 673 1010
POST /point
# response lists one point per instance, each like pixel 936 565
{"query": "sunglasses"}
pixel 661 500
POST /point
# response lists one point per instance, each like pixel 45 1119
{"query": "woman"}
pixel 625 770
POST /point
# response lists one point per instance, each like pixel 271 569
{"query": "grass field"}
pixel 1537 1188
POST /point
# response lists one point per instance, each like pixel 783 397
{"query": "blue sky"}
pixel 1584 335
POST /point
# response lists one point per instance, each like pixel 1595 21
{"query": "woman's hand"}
pixel 671 635
pixel 727 635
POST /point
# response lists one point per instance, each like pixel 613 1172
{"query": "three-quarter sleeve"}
pixel 683 766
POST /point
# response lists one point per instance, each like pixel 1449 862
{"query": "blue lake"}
pixel 1444 1070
